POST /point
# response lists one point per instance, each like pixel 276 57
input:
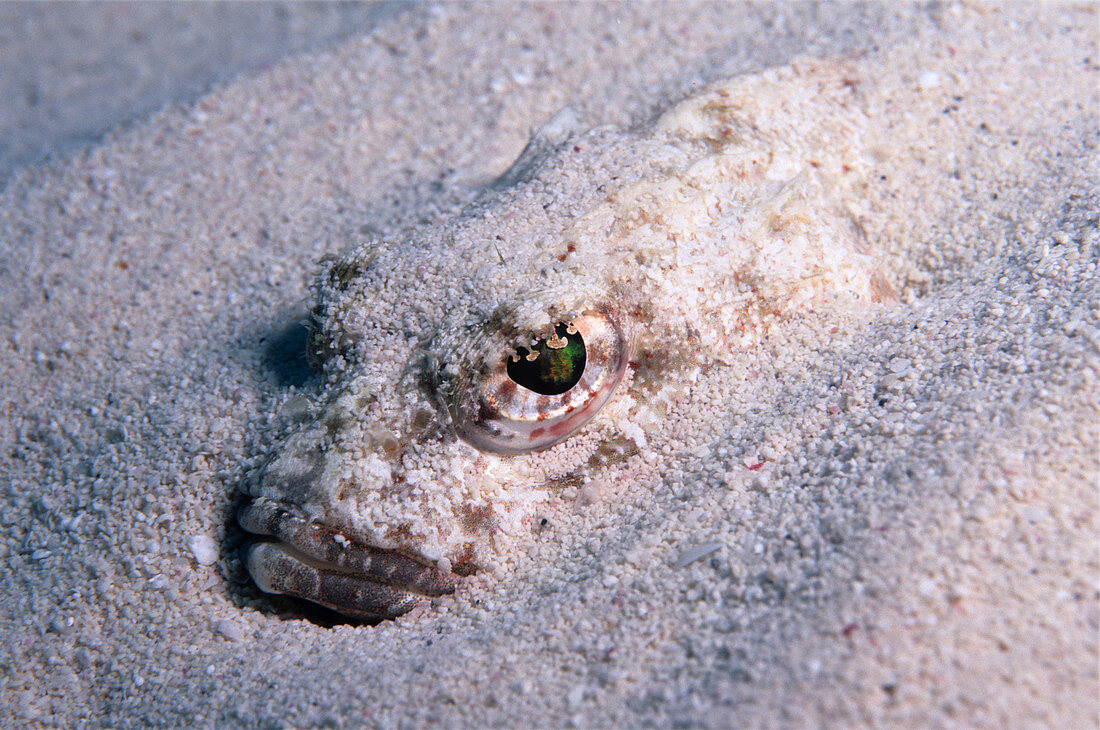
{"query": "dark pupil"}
pixel 554 369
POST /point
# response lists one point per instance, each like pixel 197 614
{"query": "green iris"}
pixel 557 364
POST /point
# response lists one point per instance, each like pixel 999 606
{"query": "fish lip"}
pixel 316 562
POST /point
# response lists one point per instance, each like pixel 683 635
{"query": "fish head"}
pixel 474 367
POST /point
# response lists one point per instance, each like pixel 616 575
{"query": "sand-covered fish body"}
pixel 475 366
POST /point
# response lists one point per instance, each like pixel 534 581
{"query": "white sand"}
pixel 71 71
pixel 920 547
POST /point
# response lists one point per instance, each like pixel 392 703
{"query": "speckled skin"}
pixel 696 231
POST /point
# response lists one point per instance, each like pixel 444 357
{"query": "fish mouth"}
pixel 315 562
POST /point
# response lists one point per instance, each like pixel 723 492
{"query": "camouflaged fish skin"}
pixel 670 246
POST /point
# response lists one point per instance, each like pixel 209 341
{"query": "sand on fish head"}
pixel 905 511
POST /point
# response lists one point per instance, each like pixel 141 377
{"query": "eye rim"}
pixel 478 393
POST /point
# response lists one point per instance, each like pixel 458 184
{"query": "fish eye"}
pixel 553 365
pixel 511 400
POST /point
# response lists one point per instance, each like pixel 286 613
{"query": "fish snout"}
pixel 318 563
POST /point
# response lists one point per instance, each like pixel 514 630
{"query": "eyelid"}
pixel 493 413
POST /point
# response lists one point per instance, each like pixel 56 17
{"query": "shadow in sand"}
pixel 285 356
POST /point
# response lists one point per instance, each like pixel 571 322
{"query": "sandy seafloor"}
pixel 919 547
